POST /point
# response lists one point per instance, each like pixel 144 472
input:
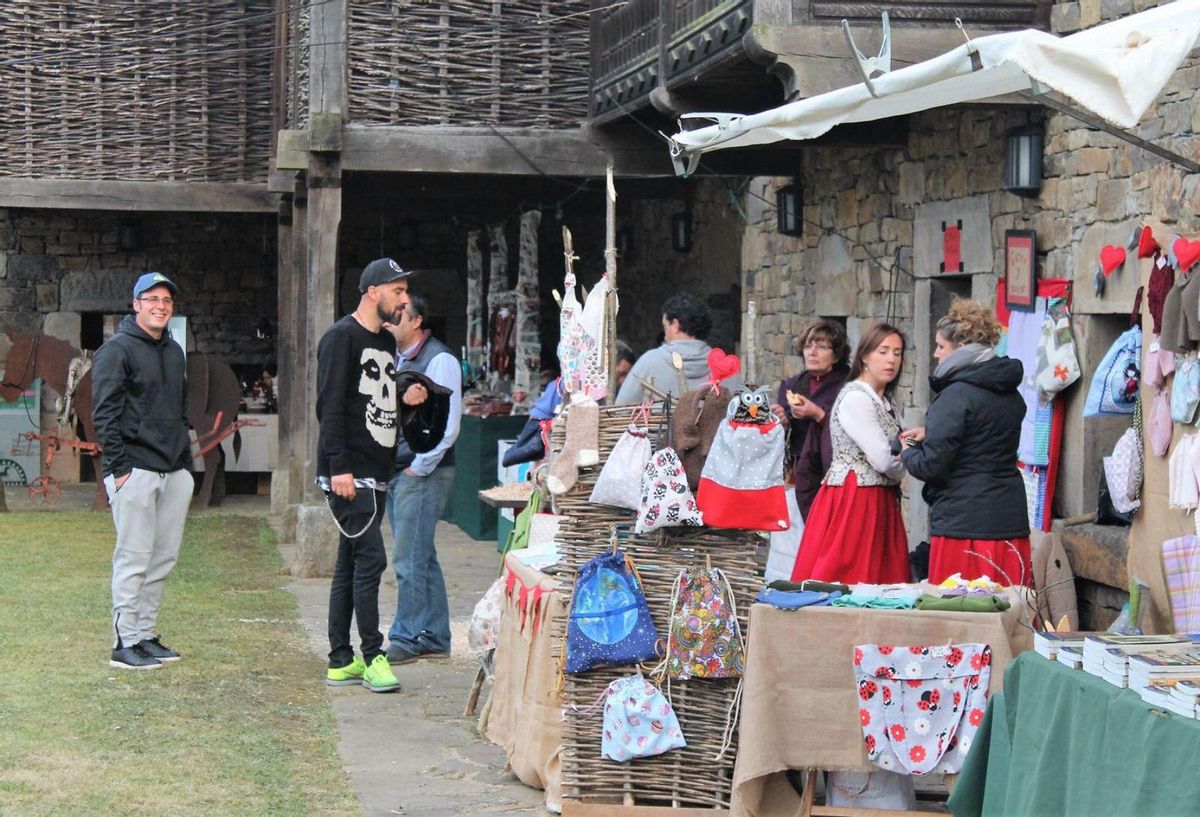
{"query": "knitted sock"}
pixel 581 447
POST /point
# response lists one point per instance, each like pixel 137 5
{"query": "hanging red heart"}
pixel 1147 246
pixel 722 366
pixel 1186 253
pixel 1111 257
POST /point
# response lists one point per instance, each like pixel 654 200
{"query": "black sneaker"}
pixel 133 658
pixel 156 649
pixel 397 655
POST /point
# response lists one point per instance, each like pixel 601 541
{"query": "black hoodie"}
pixel 139 402
pixel 968 460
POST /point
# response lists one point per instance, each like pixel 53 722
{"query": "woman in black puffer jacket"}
pixel 967 454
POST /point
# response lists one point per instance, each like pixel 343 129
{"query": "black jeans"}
pixel 354 590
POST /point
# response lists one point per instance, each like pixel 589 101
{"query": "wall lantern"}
pixel 1023 161
pixel 789 209
pixel 129 235
pixel 681 232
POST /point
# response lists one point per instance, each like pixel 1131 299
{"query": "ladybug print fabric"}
pixel 919 707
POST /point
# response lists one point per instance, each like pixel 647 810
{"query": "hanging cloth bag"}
pixel 620 480
pixel 1115 383
pixel 705 639
pixel 638 721
pixel 1185 389
pixel 1124 467
pixel 1057 363
pixel 518 537
pixel 666 499
pixel 610 624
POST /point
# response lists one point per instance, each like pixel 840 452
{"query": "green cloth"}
pixel 876 602
pixel 964 604
pixel 810 584
pixel 1065 743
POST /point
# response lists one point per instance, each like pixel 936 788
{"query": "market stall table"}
pixel 1060 741
pixel 526 712
pixel 799 703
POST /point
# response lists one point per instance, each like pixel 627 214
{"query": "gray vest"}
pixel 847 456
pixel 432 348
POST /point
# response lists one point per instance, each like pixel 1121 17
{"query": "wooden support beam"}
pixel 196 197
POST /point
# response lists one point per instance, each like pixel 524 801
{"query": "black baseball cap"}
pixel 379 272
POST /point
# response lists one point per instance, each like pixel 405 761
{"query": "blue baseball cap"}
pixel 150 280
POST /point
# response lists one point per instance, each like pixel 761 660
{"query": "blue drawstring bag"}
pixel 610 623
pixel 1114 387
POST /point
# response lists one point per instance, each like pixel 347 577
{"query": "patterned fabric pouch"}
pixel 920 706
pixel 638 721
pixel 610 623
pixel 1057 363
pixel 666 499
pixel 620 480
pixel 1123 469
pixel 705 640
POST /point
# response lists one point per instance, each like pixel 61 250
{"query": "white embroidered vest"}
pixel 847 456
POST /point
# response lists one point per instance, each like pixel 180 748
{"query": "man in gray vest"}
pixel 417 497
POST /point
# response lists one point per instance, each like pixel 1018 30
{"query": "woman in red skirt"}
pixel 967 454
pixel 854 531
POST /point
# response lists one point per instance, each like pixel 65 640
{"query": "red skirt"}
pixel 1004 561
pixel 854 535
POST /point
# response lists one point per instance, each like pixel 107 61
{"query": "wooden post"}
pixel 288 340
pixel 609 341
pixel 751 343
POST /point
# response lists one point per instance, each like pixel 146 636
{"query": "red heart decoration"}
pixel 1186 253
pixel 1147 246
pixel 1111 257
pixel 723 366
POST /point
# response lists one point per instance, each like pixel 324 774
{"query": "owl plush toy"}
pixel 741 485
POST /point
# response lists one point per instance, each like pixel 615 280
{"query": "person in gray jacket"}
pixel 139 395
pixel 686 324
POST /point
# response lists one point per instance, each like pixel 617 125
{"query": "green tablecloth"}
pixel 1062 742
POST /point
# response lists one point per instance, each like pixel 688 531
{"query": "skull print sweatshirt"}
pixel 356 402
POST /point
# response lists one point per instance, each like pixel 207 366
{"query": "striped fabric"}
pixel 1181 563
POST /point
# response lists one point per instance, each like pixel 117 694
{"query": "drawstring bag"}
pixel 1123 468
pixel 666 499
pixel 741 486
pixel 620 480
pixel 1185 390
pixel 1057 363
pixel 1114 386
pixel 920 707
pixel 638 721
pixel 705 640
pixel 518 537
pixel 610 624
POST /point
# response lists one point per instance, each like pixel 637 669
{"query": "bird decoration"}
pixel 752 407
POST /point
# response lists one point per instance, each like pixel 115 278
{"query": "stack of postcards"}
pixel 1106 655
pixel 1182 698
pixel 1163 668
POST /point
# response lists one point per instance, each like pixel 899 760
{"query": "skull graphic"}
pixel 378 382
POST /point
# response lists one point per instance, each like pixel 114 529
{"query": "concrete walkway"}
pixel 413 753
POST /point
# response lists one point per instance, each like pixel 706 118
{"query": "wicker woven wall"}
pixel 136 89
pixel 520 63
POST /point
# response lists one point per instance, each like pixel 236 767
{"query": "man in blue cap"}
pixel 139 396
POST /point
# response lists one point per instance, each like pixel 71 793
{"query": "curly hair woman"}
pixel 967 453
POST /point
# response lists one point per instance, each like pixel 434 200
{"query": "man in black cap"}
pixel 356 452
pixel 139 396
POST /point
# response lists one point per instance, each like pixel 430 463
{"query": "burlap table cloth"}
pixel 526 713
pixel 800 704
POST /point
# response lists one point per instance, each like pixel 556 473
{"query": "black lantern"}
pixel 1023 161
pixel 681 232
pixel 789 209
pixel 129 235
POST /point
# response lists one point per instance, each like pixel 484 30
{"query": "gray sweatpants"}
pixel 148 512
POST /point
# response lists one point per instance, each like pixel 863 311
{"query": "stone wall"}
pixel 872 238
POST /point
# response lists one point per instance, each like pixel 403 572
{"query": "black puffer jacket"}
pixel 968 460
pixel 139 402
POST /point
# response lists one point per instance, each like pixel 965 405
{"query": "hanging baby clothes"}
pixel 920 707
pixel 638 721
pixel 580 356
pixel 741 485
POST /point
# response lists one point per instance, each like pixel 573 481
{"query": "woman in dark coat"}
pixel 804 402
pixel 967 454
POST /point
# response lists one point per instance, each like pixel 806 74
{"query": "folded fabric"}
pixel 888 591
pixel 810 584
pixel 794 599
pixel 964 604
pixel 879 602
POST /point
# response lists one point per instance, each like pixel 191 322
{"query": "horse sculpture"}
pixel 213 391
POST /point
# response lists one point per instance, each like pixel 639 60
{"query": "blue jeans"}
pixel 415 504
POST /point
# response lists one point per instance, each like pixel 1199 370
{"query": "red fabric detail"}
pixel 853 535
pixel 948 556
pixel 1186 253
pixel 722 366
pixel 951 249
pixel 1057 422
pixel 523 599
pixel 1147 246
pixel 1161 280
pixel 743 509
pixel 510 581
pixel 1054 288
pixel 763 428
pixel 1002 311
pixel 1111 257
pixel 538 592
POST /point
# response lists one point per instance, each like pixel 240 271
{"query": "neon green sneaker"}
pixel 348 675
pixel 378 677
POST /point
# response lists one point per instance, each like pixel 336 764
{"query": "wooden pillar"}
pixel 284 491
pixel 529 346
pixel 324 218
pixel 302 354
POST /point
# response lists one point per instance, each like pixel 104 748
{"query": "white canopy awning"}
pixel 1113 70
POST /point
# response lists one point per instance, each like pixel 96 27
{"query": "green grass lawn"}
pixel 240 726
